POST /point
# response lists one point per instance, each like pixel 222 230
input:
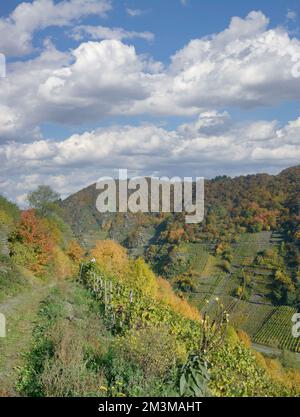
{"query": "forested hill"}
pixel 233 205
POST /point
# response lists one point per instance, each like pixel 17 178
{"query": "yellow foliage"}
pixel 141 277
pixel 294 376
pixel 244 338
pixel 290 378
pixel 62 266
pixel 111 257
pixel 260 359
pixel 167 296
pixel 153 348
pixel 231 336
pixel 5 218
pixel 55 232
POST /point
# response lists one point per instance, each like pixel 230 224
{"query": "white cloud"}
pixel 213 144
pixel 291 15
pixel 102 32
pixel 245 66
pixel 134 12
pixel 17 30
pixel 94 80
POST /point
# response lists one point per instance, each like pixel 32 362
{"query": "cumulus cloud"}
pixel 103 32
pixel 17 30
pixel 92 81
pixel 247 65
pixel 21 110
pixel 212 144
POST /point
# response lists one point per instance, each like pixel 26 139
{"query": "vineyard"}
pixel 277 331
pixel 208 283
pixel 198 256
pixel 124 307
pixel 250 317
pixel 248 245
pixel 264 323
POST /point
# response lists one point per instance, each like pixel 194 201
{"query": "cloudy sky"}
pixel 164 87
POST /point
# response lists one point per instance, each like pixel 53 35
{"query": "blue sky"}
pixel 162 86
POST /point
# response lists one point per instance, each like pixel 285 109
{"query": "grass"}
pixel 12 278
pixel 69 340
pixel 20 313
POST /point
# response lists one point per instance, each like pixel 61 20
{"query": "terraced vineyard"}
pixel 248 246
pixel 251 317
pixel 208 282
pixel 197 254
pixel 277 331
pixel 264 323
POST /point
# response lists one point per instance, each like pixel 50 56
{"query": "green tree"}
pixel 44 199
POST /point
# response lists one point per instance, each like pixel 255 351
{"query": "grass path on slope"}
pixel 20 312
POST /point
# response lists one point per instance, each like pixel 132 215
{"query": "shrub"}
pixel 75 251
pixel 153 348
pixel 66 374
pixel 244 338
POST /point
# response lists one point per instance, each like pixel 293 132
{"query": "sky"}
pixel 160 87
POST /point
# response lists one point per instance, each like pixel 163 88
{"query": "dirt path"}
pixel 20 313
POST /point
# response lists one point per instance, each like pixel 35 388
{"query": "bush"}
pixel 66 373
pixel 32 232
pixel 153 348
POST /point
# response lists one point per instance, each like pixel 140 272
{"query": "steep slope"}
pixel 249 232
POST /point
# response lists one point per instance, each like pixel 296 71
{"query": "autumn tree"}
pixel 31 243
pixel 75 251
pixel 111 257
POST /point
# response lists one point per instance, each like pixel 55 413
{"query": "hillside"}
pixel 247 250
pixel 146 333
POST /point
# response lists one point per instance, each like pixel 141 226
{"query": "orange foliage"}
pixel 176 235
pixel 33 232
pixel 244 338
pixel 167 296
pixel 75 251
